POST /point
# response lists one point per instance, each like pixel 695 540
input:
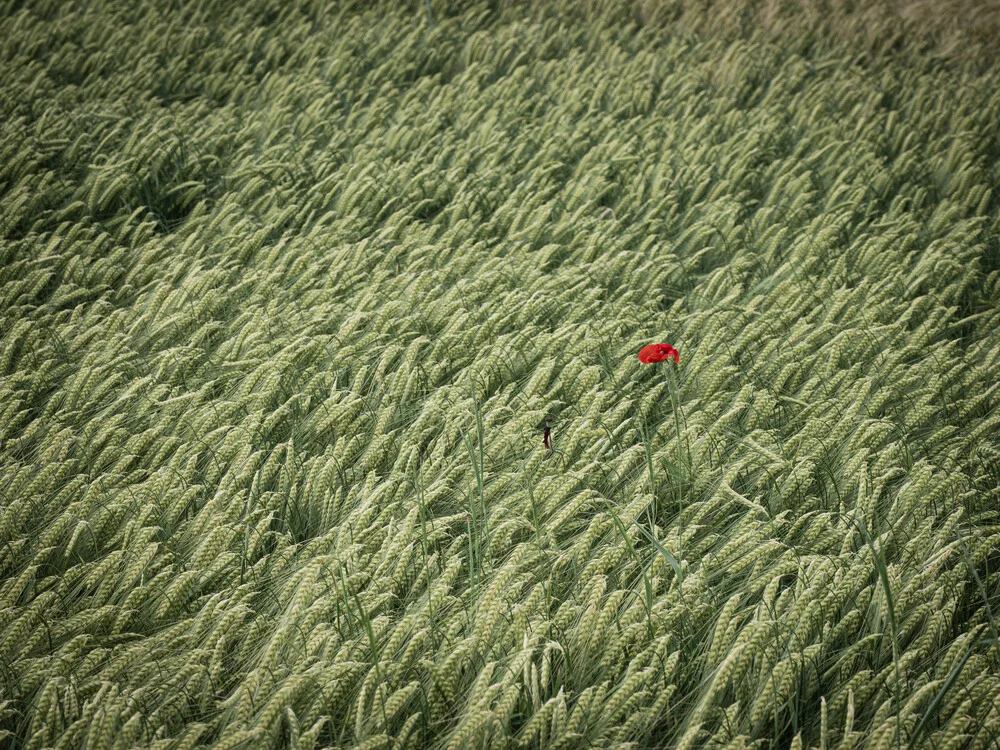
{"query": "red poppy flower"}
pixel 657 353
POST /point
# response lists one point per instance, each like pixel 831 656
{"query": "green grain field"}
pixel 288 290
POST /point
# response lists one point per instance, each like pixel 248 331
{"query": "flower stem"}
pixel 683 451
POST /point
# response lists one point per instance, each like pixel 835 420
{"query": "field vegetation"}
pixel 288 289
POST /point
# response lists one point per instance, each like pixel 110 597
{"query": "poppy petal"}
pixel 652 353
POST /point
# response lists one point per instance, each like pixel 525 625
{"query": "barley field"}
pixel 289 289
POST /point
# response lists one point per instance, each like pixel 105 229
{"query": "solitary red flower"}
pixel 657 353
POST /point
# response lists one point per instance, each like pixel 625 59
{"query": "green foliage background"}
pixel 287 290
